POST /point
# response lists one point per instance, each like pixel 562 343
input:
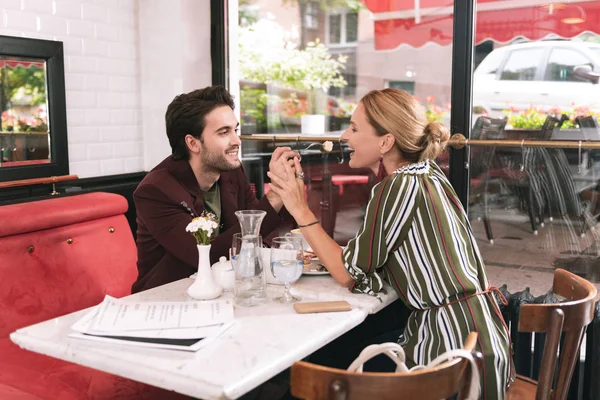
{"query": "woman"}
pixel 416 236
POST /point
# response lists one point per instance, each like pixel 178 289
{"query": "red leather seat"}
pixel 58 256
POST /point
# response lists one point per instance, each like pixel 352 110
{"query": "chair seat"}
pixel 522 388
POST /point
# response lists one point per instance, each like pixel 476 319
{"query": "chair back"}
pixel 311 382
pixel 569 318
pixel 548 127
pixel 481 157
pixel 589 127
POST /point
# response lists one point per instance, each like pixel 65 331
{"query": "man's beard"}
pixel 219 162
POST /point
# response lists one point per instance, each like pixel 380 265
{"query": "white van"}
pixel 548 73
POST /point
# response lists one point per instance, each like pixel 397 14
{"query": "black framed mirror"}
pixel 33 134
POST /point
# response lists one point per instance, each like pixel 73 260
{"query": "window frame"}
pixel 53 54
pixel 540 67
pixel 343 42
pixel 550 50
pixel 314 15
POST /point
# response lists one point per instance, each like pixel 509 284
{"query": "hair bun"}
pixel 436 137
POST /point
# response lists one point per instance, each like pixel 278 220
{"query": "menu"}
pixel 186 325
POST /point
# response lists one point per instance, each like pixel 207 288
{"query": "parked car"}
pixel 548 73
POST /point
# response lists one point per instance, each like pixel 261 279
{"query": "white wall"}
pixel 124 62
pixel 175 58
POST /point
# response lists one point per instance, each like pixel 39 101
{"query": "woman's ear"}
pixel 387 142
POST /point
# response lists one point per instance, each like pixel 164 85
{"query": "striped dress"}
pixel 416 236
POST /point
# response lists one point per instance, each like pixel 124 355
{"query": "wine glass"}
pixel 286 264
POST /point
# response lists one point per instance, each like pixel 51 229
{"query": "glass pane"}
pixel 335 28
pixel 24 135
pixel 539 206
pixel 290 73
pixel 351 27
pixel 521 65
pixel 562 63
pixel 311 16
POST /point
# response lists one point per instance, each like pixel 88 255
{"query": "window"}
pixel 351 27
pixel 522 65
pixel 342 29
pixel 311 16
pixel 407 86
pixel 335 29
pixel 349 75
pixel 491 63
pixel 561 64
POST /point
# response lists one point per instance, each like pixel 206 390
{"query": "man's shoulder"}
pixel 159 178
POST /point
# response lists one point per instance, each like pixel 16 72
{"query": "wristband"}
pixel 311 224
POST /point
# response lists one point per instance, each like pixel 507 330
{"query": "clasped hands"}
pixel 287 180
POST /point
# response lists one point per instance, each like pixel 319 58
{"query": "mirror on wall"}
pixel 24 138
pixel 33 134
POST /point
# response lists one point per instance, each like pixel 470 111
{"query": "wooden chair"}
pixel 570 317
pixel 315 382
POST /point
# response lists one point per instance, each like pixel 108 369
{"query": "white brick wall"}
pixel 121 63
pixel 101 75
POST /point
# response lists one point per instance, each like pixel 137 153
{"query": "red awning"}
pixel 20 63
pixel 416 22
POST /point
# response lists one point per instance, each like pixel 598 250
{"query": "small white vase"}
pixel 312 124
pixel 204 287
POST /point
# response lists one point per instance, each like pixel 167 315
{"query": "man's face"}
pixel 220 143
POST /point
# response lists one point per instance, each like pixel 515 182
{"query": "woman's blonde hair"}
pixel 397 112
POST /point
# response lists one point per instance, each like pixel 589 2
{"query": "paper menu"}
pixel 190 319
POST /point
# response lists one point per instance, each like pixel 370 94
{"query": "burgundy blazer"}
pixel 166 252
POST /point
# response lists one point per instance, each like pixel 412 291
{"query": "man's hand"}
pixel 285 153
pixel 276 166
pixel 290 187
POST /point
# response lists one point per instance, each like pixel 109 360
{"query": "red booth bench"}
pixel 58 256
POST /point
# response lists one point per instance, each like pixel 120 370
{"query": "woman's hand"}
pixel 289 185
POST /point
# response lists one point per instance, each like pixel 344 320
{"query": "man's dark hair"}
pixel 186 116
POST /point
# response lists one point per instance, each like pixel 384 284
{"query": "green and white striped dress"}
pixel 416 235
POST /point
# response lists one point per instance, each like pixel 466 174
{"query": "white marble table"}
pixel 264 341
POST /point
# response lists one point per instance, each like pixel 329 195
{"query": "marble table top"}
pixel 264 341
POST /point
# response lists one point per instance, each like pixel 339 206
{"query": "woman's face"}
pixel 363 140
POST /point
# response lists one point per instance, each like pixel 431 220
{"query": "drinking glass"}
pixel 286 264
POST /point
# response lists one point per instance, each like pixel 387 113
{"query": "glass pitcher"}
pixel 246 257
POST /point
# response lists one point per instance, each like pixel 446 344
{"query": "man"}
pixel 202 173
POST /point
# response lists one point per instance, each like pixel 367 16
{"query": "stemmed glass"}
pixel 286 264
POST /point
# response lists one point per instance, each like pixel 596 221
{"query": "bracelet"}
pixel 311 224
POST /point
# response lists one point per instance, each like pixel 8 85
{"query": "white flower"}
pixel 203 228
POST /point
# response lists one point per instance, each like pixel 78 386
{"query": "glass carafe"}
pixel 246 257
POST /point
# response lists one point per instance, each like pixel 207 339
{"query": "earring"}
pixel 381 171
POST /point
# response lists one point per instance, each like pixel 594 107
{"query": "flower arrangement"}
pixel 293 107
pixel 344 109
pixel 34 123
pixel 203 228
pixel 433 112
pixel 534 116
